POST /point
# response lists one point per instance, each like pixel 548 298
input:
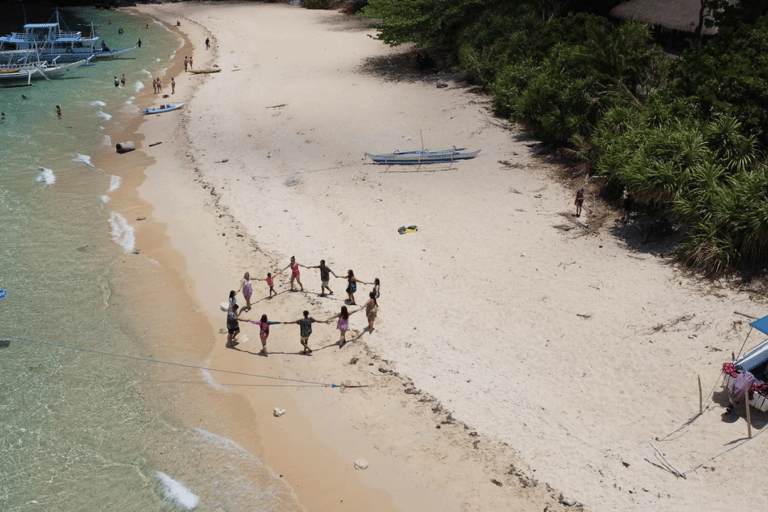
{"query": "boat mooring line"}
pixel 168 363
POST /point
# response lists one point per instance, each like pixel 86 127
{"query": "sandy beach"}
pixel 513 361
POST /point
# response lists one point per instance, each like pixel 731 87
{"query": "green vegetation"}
pixel 683 135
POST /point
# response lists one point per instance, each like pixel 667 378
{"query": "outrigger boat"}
pixel 423 157
pixel 57 45
pixel 747 376
pixel 20 67
pixel 162 108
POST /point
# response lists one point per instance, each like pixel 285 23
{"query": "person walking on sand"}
pixel 233 327
pixel 159 85
pixel 352 286
pixel 232 300
pixel 295 274
pixel 371 310
pixel 186 62
pixel 342 324
pixel 579 200
pixel 305 330
pixel 58 111
pixel 207 43
pixel 627 197
pixel 325 278
pixel 190 64
pixel 247 288
pixel 264 332
pixel 377 287
pixel 154 85
pixel 122 80
pixel 173 86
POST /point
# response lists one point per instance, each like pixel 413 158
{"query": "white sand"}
pixel 575 351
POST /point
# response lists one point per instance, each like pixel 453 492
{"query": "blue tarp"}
pixel 761 325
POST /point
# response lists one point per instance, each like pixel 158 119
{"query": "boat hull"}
pixel 422 157
pixel 162 109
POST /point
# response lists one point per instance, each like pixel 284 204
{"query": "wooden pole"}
pixel 701 397
pixel 749 417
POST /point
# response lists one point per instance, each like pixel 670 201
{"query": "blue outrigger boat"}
pixel 423 157
pixel 162 108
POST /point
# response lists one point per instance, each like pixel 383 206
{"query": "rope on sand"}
pixel 171 363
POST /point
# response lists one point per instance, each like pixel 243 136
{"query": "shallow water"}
pixel 76 430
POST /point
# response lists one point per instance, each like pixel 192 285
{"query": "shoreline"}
pixel 448 456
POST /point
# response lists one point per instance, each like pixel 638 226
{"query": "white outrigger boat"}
pixel 747 376
pixel 55 44
pixel 20 67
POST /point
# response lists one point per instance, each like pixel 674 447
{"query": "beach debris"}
pixel 222 161
pixel 441 85
pixel 155 144
pixel 278 412
pixel 378 199
pixel 569 502
pixel 277 106
pixel 141 217
pixel 3 294
pixel 292 181
pixel 224 306
pixel 410 229
pixel 496 482
pixel 361 464
pixel 125 147
pixel 136 251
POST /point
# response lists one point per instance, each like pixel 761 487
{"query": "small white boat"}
pixel 162 108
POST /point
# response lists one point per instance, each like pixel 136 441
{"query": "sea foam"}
pixel 175 492
pixel 208 378
pixel 122 232
pixel 107 140
pixel 114 183
pixel 83 159
pixel 103 115
pixel 47 176
pixel 138 86
pixel 98 103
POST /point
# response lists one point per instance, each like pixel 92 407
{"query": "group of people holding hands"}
pixel 305 323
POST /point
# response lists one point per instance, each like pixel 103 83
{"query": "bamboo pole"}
pixel 701 397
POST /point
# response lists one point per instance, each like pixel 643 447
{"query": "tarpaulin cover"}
pixel 761 325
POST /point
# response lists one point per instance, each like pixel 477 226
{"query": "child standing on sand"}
pixel 271 282
pixel 247 287
pixel 579 201
pixel 343 324
pixel 264 332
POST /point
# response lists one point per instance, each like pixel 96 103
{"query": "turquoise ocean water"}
pixel 76 432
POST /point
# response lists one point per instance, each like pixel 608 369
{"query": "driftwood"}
pixel 125 147
pixel 155 144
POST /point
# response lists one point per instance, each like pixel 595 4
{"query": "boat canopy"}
pixel 41 25
pixel 761 325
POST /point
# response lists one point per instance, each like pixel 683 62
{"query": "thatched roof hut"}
pixel 681 15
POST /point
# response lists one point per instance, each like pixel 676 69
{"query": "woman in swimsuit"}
pixel 343 323
pixel 352 286
pixel 247 288
pixel 264 332
pixel 371 310
pixel 377 287
pixel 295 274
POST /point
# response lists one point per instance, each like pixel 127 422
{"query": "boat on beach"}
pixel 20 67
pixel 162 108
pixel 56 44
pixel 204 71
pixel 423 157
pixel 746 377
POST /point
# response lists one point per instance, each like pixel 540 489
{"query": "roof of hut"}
pixel 680 15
